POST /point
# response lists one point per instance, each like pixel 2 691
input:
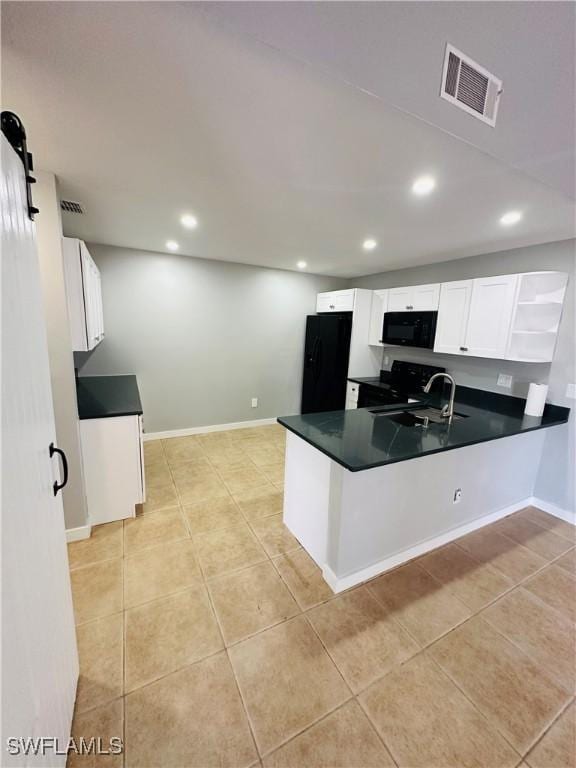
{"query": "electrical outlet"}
pixel 571 391
pixel 457 496
pixel 254 402
pixel 386 360
pixel 504 380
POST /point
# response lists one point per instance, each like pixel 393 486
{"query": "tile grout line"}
pixel 394 757
pixel 555 719
pixel 321 720
pixel 441 586
pixel 498 526
pixel 244 706
pixel 493 724
pixel 545 528
pixel 304 612
pixel 308 727
pixel 475 614
pixel 541 668
pixel 225 650
pixel 225 646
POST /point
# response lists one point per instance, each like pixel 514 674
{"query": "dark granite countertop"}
pixel 378 383
pixel 101 397
pixel 359 439
pixel 371 381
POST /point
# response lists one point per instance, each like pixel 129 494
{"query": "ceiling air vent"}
pixel 469 86
pixel 70 206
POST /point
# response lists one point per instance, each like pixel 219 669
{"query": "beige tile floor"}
pixel 207 636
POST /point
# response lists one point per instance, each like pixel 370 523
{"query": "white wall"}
pixel 203 337
pixel 49 239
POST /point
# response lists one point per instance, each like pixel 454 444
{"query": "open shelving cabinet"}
pixel 536 317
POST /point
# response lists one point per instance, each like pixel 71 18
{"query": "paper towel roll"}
pixel 536 399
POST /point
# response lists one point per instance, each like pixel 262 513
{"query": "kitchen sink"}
pixel 416 417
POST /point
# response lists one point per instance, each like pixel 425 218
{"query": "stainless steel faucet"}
pixel 448 410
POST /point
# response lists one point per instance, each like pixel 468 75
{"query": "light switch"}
pixel 504 380
pixel 571 390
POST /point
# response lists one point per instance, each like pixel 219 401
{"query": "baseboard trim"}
pixel 209 428
pixel 77 534
pixel 339 584
pixel 552 509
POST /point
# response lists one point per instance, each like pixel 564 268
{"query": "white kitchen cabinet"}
pixel 453 311
pixel 512 317
pixel 536 318
pixel 425 298
pixel 378 308
pixel 491 309
pixel 474 316
pixel 335 301
pixel 113 466
pixel 352 395
pixel 83 295
pixel 417 298
pixel 399 299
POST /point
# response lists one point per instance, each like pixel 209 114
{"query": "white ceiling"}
pixel 394 50
pixel 148 110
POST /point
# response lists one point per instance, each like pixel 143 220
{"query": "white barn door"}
pixel 39 656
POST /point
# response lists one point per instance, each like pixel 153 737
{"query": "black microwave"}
pixel 410 329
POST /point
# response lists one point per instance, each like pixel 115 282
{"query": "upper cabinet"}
pixel 513 317
pixel 491 309
pixel 536 316
pixel 417 298
pixel 399 299
pixel 83 295
pixel 335 301
pixel 378 308
pixel 453 314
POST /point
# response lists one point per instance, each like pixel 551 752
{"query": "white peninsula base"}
pixel 356 525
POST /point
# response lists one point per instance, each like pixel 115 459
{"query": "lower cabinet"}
pixel 112 454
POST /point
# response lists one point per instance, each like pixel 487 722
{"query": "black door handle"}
pixel 52 450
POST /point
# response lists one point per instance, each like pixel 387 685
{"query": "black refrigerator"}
pixel 326 352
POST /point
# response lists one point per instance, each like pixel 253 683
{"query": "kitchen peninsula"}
pixel 370 488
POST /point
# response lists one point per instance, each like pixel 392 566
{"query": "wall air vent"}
pixel 469 86
pixel 70 206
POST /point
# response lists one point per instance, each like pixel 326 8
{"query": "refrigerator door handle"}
pixel 318 359
pixel 311 358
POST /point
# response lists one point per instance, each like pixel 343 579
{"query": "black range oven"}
pixel 406 381
pixel 410 329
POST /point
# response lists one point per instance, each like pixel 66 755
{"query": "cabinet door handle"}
pixel 52 450
pixel 410 306
pixel 463 349
pixel 332 306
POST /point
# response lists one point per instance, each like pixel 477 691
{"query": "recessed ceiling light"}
pixel 301 265
pixel 512 217
pixel 423 185
pixel 172 245
pixel 369 244
pixel 189 221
